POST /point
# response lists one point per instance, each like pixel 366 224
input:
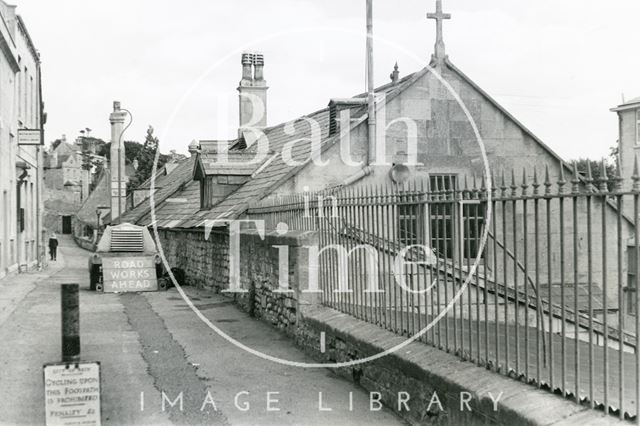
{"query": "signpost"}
pixel 30 137
pixel 72 394
pixel 71 387
pixel 131 273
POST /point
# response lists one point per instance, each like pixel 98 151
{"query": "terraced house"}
pixel 21 121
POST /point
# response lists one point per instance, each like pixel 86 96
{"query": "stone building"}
pixel 21 112
pixel 423 130
pixel 628 136
pixel 63 169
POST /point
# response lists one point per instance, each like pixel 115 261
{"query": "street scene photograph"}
pixel 294 212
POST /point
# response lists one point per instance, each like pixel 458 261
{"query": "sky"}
pixel 557 65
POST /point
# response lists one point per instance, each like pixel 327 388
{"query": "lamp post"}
pixel 99 210
pixel 98 213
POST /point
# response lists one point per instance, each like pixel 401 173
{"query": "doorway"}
pixel 66 224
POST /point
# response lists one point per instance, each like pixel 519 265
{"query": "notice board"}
pixel 72 394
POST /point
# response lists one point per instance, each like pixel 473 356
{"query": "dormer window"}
pixel 206 193
pixel 219 175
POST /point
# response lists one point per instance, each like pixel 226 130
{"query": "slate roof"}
pixel 185 211
pixel 582 296
pixel 161 177
pixel 171 184
pixel 275 172
pixel 238 163
pixel 100 197
pixel 176 209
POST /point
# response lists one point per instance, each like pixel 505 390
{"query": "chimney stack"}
pixel 118 174
pixel 252 94
pixel 194 146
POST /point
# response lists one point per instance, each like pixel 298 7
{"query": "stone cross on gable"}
pixel 439 16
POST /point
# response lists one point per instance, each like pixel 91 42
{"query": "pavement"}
pixel 152 344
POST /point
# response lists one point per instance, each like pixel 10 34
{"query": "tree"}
pixel 144 153
pixel 146 157
pixel 610 165
pixel 55 144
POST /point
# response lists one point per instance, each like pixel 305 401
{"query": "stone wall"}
pixel 260 273
pixel 416 373
pixel 204 260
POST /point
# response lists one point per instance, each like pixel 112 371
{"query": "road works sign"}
pixel 72 394
pixel 130 273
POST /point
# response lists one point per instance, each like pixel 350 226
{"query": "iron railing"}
pixel 530 278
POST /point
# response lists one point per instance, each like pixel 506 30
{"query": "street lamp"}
pixel 99 210
pixel 98 213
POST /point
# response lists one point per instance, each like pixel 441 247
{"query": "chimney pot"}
pixel 194 146
pixel 253 93
pixel 116 105
pixel 247 58
pixel 258 64
pixel 395 75
pixel 247 62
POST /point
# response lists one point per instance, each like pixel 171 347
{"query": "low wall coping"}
pixel 289 238
pixel 520 403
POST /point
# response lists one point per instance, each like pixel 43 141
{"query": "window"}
pixel 409 229
pixel 473 214
pixel 32 101
pixel 206 192
pixel 456 225
pixel 24 92
pixel 441 214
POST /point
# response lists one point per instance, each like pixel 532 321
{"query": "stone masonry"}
pixel 417 371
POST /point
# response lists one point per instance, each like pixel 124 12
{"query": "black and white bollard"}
pixel 70 308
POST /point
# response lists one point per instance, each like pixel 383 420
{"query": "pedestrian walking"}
pixel 53 246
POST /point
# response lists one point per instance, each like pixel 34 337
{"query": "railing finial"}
pixel 575 182
pixel 547 180
pixel 514 187
pixel 503 184
pixel 493 184
pixel 604 179
pixel 561 180
pixel 525 183
pixel 618 179
pixel 535 184
pixel 589 178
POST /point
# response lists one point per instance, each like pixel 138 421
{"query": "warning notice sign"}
pixel 72 394
pixel 135 273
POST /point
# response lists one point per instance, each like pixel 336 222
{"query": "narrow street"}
pixel 153 343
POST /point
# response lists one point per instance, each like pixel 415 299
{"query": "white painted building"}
pixel 21 235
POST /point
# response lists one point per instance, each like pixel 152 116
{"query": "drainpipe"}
pixel 370 89
pixel 39 173
pixel 365 171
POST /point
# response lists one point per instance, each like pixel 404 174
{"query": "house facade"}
pixel 21 171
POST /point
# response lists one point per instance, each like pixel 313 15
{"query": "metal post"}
pixel 70 308
pixel 371 106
